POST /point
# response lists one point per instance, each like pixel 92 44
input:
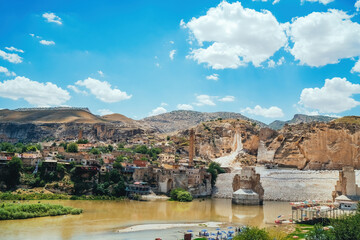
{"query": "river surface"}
pixel 104 219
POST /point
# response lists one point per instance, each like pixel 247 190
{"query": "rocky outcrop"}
pixel 215 139
pixel 31 132
pixel 314 146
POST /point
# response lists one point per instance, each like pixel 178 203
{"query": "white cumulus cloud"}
pixel 184 107
pixel 46 42
pixel 103 91
pixel 105 112
pixel 271 112
pixel 204 100
pixel 357 5
pixel 11 57
pixel 172 54
pixel 76 89
pixel 356 68
pixel 334 97
pixel 214 77
pixel 35 93
pixel 157 111
pixel 13 49
pixel 237 36
pixel 324 38
pixel 227 99
pixel 320 1
pixel 51 17
pixel 6 71
pixel 100 73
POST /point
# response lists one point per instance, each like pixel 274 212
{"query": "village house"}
pixel 108 158
pixel 166 158
pixel 5 157
pixel 85 147
pixel 30 159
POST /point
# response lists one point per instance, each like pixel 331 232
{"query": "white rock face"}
pixel 228 160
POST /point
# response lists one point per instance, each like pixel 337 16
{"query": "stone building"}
pixel 247 188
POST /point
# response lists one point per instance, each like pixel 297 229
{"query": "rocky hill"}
pixel 183 119
pixel 49 115
pixel 32 125
pixel 300 118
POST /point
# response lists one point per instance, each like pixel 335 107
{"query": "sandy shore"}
pixel 145 227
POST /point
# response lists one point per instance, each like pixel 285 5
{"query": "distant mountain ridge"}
pixel 300 118
pixel 184 119
pixel 163 123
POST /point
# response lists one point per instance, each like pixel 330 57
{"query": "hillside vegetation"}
pixel 348 119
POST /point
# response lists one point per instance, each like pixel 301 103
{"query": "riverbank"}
pixel 12 211
pixel 28 194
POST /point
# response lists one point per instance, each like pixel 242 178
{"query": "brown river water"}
pixel 103 219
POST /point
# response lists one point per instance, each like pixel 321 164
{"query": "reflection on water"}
pixel 101 218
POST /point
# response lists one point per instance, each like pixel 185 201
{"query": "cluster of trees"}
pixel 152 152
pixel 112 184
pixel 12 174
pixel 19 147
pixel 181 195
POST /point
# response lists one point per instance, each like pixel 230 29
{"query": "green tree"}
pixel 72 147
pixel 95 151
pixel 31 148
pixel 13 174
pixel 141 149
pixel 181 195
pixel 115 176
pixel 82 141
pixel 214 169
pixel 110 148
pixel 119 189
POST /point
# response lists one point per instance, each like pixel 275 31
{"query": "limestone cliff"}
pixel 313 146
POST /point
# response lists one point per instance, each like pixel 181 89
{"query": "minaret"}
pixel 80 134
pixel 191 148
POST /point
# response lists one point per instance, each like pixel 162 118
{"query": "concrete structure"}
pixel 246 197
pixel 247 187
pixel 346 203
pixel 347 184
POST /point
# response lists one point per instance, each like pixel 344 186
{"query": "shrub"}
pixel 253 233
pixel 318 233
pixel 180 195
pixel 72 147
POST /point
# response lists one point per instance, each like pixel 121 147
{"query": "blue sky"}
pixel 265 59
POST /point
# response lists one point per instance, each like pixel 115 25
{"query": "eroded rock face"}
pixel 216 138
pixel 315 146
pixel 30 132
